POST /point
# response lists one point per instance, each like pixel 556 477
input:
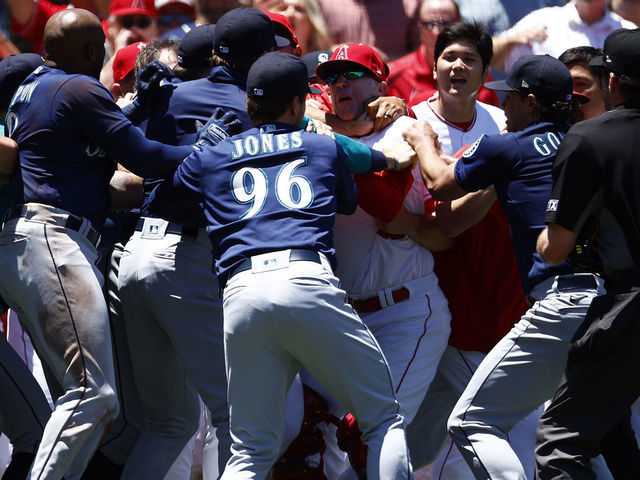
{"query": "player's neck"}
pixel 457 111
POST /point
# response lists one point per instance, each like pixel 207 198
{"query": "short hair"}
pixel 269 109
pixel 471 32
pixel 152 52
pixel 582 54
pixel 557 111
pixel 241 64
pixel 629 86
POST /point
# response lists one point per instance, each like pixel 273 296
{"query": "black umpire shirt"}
pixel 597 173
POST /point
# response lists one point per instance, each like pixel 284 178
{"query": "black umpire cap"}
pixel 544 76
pixel 278 75
pixel 621 53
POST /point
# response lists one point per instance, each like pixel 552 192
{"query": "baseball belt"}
pixel 373 304
pixel 69 220
pixel 296 255
pixel 576 282
pixel 173 228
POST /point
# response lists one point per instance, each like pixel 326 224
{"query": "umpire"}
pixel 597 173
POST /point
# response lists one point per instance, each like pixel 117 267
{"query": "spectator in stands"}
pixel 411 76
pixel 579 22
pixel 307 21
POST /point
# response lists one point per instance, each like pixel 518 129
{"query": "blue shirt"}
pixel 519 165
pixel 183 108
pixel 270 188
pixel 70 133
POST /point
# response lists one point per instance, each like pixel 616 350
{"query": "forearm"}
pixel 8 156
pixel 455 217
pixel 502 46
pixel 126 191
pixel 424 230
pixel 555 243
pixel 437 171
pixel 146 158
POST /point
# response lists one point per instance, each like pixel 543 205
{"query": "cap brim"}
pixel 329 67
pixel 123 12
pixel 581 97
pixel 499 85
pixel 282 42
pixel 314 90
pixel 597 61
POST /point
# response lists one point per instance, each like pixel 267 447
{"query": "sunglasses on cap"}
pixel 435 23
pixel 174 18
pixel 140 21
pixel 351 75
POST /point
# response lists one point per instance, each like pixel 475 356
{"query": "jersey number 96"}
pixel 251 186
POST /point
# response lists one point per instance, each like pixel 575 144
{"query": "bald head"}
pixel 74 41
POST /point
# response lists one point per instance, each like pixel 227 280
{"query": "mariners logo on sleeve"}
pixel 552 205
pixel 472 149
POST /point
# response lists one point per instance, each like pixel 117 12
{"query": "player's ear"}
pixel 116 91
pixel 485 73
pixel 382 88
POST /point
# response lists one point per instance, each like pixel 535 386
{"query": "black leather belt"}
pixel 174 228
pixel 72 222
pixel 576 282
pixel 296 255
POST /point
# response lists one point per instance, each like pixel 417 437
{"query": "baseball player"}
pixel 389 279
pixel 479 276
pixel 69 130
pixel 525 367
pixel 270 196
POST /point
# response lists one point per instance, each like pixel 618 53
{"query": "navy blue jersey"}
pixel 519 165
pixel 184 107
pixel 270 188
pixel 70 133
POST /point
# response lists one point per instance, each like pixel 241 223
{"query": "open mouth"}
pixel 458 81
pixel 345 98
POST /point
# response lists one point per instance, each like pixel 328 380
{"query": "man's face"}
pixel 129 29
pixel 435 15
pixel 459 72
pixel 350 95
pixel 587 83
pixel 516 109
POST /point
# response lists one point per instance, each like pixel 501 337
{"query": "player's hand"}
pixel 320 128
pixel 422 134
pixel 149 83
pixel 384 110
pixel 221 125
pixel 399 155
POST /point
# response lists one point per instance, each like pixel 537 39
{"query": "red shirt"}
pixel 411 78
pixel 481 281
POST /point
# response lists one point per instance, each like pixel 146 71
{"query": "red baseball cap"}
pixel 120 8
pixel 354 54
pixel 280 20
pixel 125 60
pixel 581 97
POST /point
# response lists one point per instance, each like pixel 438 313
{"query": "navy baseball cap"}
pixel 313 59
pixel 244 32
pixel 544 76
pixel 621 53
pixel 13 70
pixel 278 75
pixel 196 47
